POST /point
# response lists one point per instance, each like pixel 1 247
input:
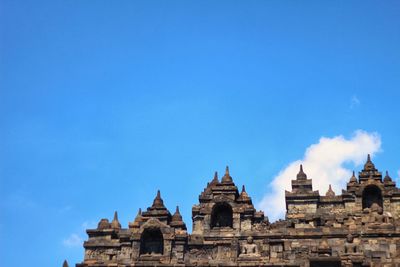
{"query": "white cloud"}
pixel 324 163
pixel 73 240
pixel 354 102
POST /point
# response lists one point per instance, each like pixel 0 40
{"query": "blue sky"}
pixel 104 102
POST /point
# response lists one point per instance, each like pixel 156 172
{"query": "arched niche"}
pixel 371 194
pixel 222 215
pixel 151 242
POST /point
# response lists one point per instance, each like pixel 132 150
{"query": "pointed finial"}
pixel 369 166
pixel 387 177
pixel 301 175
pixel 65 264
pixel 227 178
pixel 330 192
pixel 353 178
pixel 243 195
pixel 115 223
pixel 177 215
pixel 139 215
pixel 158 202
pixel 177 221
pixel 215 179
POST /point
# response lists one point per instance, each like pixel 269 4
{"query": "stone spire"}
pixel 65 264
pixel 369 172
pixel 301 175
pixel 138 217
pixel 301 185
pixel 369 166
pixel 177 220
pixel 244 193
pixel 387 178
pixel 177 215
pixel 215 179
pixel 137 221
pixel 157 210
pixel 353 178
pixel 115 223
pixel 226 178
pixel 244 197
pixel 330 192
pixel 158 202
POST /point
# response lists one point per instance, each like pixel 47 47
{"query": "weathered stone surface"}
pixel 360 227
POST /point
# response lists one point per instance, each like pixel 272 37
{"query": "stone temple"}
pixel 359 227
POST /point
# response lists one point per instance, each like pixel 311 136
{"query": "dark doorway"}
pixel 325 263
pixel 152 242
pixel 221 215
pixel 371 194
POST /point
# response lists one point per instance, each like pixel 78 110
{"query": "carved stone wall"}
pixel 360 227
